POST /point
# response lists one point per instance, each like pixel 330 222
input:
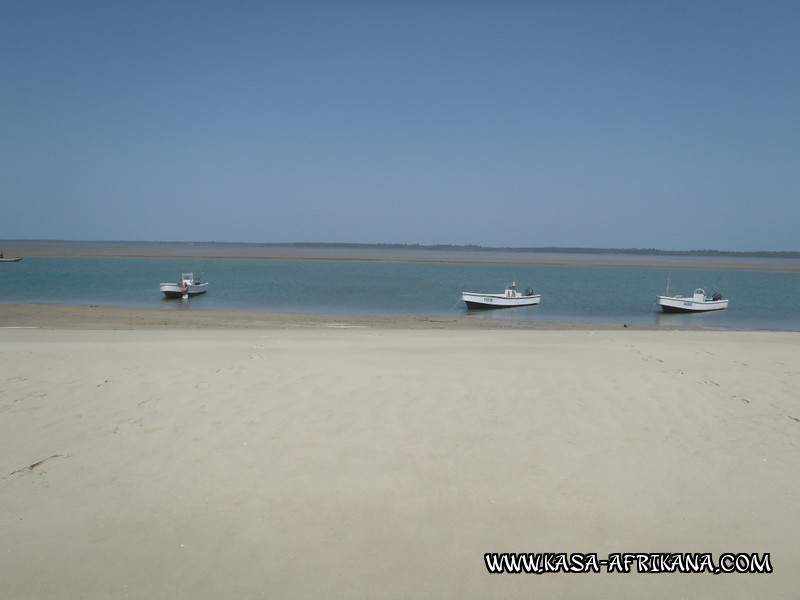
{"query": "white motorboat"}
pixel 699 302
pixel 508 299
pixel 187 286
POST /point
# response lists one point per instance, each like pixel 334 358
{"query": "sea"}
pixel 760 299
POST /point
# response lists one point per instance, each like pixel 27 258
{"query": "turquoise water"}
pixel 759 300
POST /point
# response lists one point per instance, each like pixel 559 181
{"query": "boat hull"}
pixel 174 290
pixel 13 259
pixel 492 301
pixel 670 304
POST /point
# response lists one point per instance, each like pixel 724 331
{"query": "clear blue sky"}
pixel 672 125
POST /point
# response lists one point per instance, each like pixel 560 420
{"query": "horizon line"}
pixel 454 247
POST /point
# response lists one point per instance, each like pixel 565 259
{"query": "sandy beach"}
pixel 299 457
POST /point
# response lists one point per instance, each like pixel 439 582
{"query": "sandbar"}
pixel 405 254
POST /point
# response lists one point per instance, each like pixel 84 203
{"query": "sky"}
pixel 595 124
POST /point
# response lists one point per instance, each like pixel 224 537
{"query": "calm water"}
pixel 759 300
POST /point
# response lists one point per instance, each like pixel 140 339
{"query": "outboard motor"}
pixel 529 291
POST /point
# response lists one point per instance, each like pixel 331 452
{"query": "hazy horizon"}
pixel 390 245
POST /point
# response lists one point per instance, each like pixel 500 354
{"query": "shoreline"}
pixel 101 317
pixel 96 317
pixel 106 317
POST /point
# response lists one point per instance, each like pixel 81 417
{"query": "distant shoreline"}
pixel 716 260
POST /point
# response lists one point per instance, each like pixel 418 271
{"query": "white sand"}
pixel 378 463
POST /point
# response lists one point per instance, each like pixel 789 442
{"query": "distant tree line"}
pixel 561 250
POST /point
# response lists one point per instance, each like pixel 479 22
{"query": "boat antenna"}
pixel 668 276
